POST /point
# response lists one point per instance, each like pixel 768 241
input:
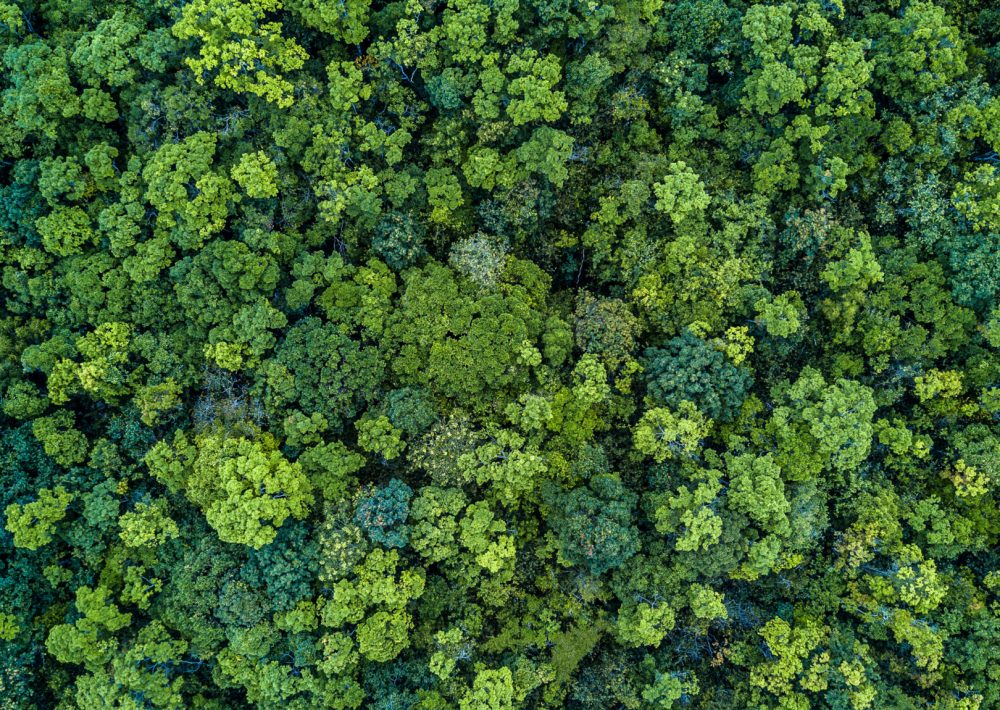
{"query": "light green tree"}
pixel 32 523
pixel 239 51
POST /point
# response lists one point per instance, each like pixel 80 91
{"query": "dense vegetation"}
pixel 499 354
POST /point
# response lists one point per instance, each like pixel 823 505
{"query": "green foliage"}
pixel 668 688
pixel 594 525
pixel 757 490
pixel 664 434
pixel 65 231
pixel 148 524
pixel 334 386
pixel 190 198
pixel 347 22
pixel 605 327
pixel 533 97
pixel 245 488
pixel 490 689
pixel 832 424
pixel 89 640
pixel 239 51
pixel 497 354
pixel 921 53
pixel 399 240
pixel 32 522
pixel 61 440
pixel 781 316
pixel 256 174
pixel 681 194
pixel 688 368
pixel 381 514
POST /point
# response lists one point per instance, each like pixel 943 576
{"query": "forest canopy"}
pixel 495 354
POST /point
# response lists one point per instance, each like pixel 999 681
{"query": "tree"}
pixel 533 97
pixel 783 315
pixel 479 259
pixel 382 636
pixel 108 52
pixel 40 92
pixel 669 688
pixel 459 344
pixel 32 523
pixel 793 650
pixel 147 524
pixel 690 369
pixel 65 231
pixel 376 585
pixel 512 468
pixel 154 400
pixel 257 174
pixel 663 434
pixel 822 425
pixel 594 524
pixel 606 327
pixel 245 487
pixel 411 410
pixel 477 527
pixel 378 435
pixel 921 52
pixel 322 370
pixel 706 603
pixel 399 240
pixel 382 513
pixel 141 670
pixel 681 194
pixel 190 198
pixel 757 490
pixel 59 437
pixel 244 54
pixel 347 22
pixel 444 193
pixel 492 689
pixel 90 640
pixel 545 153
pixel 331 466
pixel 644 624
pixel 435 512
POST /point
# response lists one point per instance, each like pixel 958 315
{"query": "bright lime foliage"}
pixel 823 425
pixel 664 434
pixel 533 97
pixel 500 354
pixel 375 598
pixel 148 524
pixel 781 316
pixel 491 689
pixel 256 174
pixel 32 522
pixel 89 640
pixel 238 50
pixel 65 230
pixel 245 488
pixel 680 194
pixel 794 659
